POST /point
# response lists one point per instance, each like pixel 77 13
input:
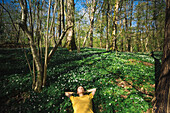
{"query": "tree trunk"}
pixel 121 24
pixel 47 36
pixel 155 24
pixel 59 22
pixel 162 102
pixel 70 19
pixel 126 26
pixel 38 66
pixel 18 35
pixel 46 45
pixel 30 33
pixel 107 27
pixel 93 9
pixel 138 38
pixel 122 35
pixel 101 33
pixel 147 27
pixel 62 14
pixel 78 49
pixel 114 33
pixel 102 26
pixel 23 25
pixel 33 74
pixel 62 17
pixel 129 38
pixel 85 38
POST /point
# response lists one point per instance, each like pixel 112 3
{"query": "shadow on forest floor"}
pixel 124 81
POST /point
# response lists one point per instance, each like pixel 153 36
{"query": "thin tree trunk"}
pixel 121 34
pixel 146 26
pixel 129 39
pixel 102 25
pixel 78 49
pixel 41 50
pixel 59 21
pixel 155 24
pixel 107 29
pixel 85 38
pixel 23 25
pixel 62 14
pixel 18 36
pixel 114 33
pixel 57 43
pixel 62 22
pixel 126 26
pixel 121 24
pixel 33 75
pixel 101 34
pixel 138 33
pixel 93 9
pixel 46 45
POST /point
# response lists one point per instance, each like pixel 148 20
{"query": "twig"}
pixel 9 16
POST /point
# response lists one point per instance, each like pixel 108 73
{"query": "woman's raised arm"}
pixel 68 94
pixel 92 90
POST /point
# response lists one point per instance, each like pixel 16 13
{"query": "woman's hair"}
pixel 84 90
pixel 81 86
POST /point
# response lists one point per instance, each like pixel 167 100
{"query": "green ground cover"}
pixel 124 81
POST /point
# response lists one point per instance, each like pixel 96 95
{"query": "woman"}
pixel 82 103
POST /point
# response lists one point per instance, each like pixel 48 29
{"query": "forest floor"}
pixel 124 81
pixel 13 45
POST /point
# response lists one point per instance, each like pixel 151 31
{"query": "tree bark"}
pixel 78 49
pixel 62 15
pixel 30 33
pixel 114 33
pixel 23 25
pixel 85 38
pixel 70 19
pixel 93 9
pixel 138 38
pixel 107 27
pixel 126 26
pixel 59 22
pixel 129 38
pixel 102 25
pixel 46 45
pixel 162 102
pixel 57 43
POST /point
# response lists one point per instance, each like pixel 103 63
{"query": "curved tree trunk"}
pixel 29 31
pixel 24 26
pixel 162 102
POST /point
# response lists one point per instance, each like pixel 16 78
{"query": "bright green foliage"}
pixel 91 68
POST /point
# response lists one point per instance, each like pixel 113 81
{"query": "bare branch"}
pixel 9 16
pixel 53 16
pixel 57 43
